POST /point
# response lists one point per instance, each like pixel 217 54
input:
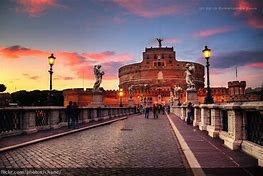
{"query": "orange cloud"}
pixel 35 7
pixel 28 76
pixel 16 52
pixel 214 31
pixel 81 64
pixel 102 56
pixel 64 78
pixel 147 9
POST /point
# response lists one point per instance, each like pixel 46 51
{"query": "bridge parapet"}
pixel 239 124
pixel 19 120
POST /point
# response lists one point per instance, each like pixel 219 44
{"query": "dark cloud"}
pixel 65 78
pixel 32 77
pixel 17 48
pixel 111 68
pixel 236 58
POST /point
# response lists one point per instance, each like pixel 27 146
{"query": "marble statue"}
pixel 98 75
pixel 130 89
pixel 189 75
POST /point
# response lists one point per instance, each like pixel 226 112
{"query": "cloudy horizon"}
pixel 114 33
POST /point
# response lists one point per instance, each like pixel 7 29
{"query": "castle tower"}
pixel 237 91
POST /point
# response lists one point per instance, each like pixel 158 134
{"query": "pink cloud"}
pixel 147 9
pixel 35 7
pixel 171 40
pixel 256 23
pixel 250 11
pixel 214 31
pixel 256 65
pixel 71 58
pixel 80 63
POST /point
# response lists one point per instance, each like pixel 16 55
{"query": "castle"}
pixel 154 79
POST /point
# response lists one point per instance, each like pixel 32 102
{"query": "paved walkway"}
pixel 12 142
pixel 135 146
pixel 210 154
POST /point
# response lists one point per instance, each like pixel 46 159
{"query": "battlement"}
pixel 237 84
pixel 154 49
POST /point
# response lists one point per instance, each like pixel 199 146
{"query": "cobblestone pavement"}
pixel 135 146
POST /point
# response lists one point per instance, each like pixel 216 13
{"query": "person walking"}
pixel 69 113
pixel 190 113
pixel 147 111
pixel 168 109
pixel 155 111
pixel 75 111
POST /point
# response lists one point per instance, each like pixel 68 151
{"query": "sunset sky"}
pixel 114 33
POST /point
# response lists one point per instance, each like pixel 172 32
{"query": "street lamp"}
pixel 51 60
pixel 207 55
pixel 121 95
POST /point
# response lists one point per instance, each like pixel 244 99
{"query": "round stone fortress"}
pixel 160 70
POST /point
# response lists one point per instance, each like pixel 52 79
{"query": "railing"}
pixel 10 121
pixel 18 120
pixel 240 125
pixel 255 127
pixel 224 120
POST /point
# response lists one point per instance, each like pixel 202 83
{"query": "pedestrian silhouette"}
pixel 69 113
pixel 155 111
pixel 190 113
pixel 75 115
pixel 147 111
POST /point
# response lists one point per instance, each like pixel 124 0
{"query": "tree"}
pixel 37 98
pixel 2 87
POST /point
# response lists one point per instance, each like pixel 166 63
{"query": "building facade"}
pixel 156 79
pixel 155 76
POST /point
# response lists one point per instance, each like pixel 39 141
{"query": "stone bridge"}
pixel 121 141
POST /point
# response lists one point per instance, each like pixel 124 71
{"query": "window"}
pixel 158 63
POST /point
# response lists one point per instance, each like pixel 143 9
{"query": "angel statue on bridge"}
pixel 131 89
pixel 98 75
pixel 190 68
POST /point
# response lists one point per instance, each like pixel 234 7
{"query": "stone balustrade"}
pixel 239 125
pixel 18 120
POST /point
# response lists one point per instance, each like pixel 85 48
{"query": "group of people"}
pixel 156 109
pixel 72 113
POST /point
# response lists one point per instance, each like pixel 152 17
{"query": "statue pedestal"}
pixel 97 99
pixel 130 103
pixel 191 96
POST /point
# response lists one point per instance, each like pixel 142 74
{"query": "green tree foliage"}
pixel 2 87
pixel 37 98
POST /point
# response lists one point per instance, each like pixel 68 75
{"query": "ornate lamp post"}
pixel 207 55
pixel 51 60
pixel 121 95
